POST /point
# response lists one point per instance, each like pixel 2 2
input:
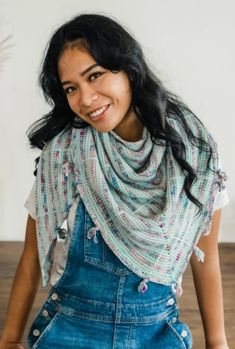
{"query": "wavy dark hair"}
pixel 115 49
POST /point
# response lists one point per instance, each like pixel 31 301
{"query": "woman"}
pixel 136 177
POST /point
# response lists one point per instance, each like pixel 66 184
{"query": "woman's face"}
pixel 95 94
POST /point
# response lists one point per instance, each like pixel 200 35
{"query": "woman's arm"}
pixel 23 291
pixel 208 285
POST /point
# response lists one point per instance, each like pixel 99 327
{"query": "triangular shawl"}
pixel 134 193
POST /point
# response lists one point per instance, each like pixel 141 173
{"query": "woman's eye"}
pixel 69 90
pixel 94 76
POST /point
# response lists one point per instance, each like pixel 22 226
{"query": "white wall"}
pixel 190 43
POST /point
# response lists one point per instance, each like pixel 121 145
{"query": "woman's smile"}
pixel 99 113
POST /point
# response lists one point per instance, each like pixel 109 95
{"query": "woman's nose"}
pixel 87 96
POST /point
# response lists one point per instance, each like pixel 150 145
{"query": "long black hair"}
pixel 115 49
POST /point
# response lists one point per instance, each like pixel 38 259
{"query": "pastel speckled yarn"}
pixel 134 193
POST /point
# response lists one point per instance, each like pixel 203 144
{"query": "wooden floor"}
pixel 10 252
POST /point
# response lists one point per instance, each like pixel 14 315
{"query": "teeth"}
pixel 98 112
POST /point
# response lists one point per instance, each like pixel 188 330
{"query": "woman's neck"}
pixel 131 129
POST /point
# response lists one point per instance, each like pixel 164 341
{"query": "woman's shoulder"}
pixel 60 142
pixel 190 127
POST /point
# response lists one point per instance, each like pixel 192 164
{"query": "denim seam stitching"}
pixel 174 331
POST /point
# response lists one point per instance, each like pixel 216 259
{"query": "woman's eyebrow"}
pixel 82 73
pixel 89 68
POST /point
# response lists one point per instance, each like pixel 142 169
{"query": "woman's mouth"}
pixel 98 113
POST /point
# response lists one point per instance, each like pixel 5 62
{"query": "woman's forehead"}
pixel 75 60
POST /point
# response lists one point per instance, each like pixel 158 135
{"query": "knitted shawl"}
pixel 133 192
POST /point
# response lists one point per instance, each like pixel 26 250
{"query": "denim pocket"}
pixel 41 325
pixel 97 252
pixel 180 330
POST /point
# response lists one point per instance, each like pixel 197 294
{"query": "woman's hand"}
pixel 10 345
pixel 23 291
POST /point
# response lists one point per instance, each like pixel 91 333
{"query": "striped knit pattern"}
pixel 133 192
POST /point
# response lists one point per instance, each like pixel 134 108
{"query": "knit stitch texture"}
pixel 134 193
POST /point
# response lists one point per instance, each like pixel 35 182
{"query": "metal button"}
pixel 45 313
pixel 171 301
pixel 184 333
pixel 36 333
pixel 62 233
pixel 54 296
pixel 174 320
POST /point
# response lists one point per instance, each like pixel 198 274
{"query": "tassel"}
pixel 143 287
pixel 222 177
pixel 177 288
pixel 199 254
pixel 91 234
pixel 179 291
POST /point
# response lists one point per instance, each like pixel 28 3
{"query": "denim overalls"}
pixel 98 303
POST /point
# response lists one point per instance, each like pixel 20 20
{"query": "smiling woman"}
pixel 99 96
pixel 136 178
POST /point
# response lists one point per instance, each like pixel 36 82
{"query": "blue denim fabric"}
pixel 96 303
